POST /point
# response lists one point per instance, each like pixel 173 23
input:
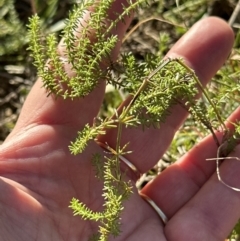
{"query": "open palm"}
pixel 39 177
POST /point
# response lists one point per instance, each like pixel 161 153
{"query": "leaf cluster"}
pixel 88 55
pixel 115 192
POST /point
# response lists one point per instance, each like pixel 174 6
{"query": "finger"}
pixel 40 109
pixel 205 48
pixel 214 209
pixel 174 187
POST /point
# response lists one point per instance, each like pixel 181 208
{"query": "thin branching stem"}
pixel 144 85
pixel 204 93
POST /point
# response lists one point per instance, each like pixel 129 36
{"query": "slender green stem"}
pixel 119 135
pixel 133 6
pixel 204 93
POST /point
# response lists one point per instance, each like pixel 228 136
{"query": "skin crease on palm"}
pixel 39 177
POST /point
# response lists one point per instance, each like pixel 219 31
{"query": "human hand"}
pixel 39 177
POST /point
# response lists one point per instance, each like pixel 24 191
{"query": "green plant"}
pixel 153 84
pixel 12 30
